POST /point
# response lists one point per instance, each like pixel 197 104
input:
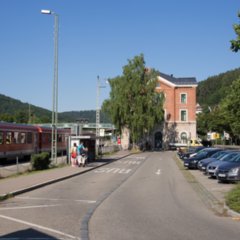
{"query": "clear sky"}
pixel 186 38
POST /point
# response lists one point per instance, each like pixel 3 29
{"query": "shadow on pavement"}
pixel 27 234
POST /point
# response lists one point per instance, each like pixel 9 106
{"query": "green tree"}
pixel 21 117
pixel 6 117
pixel 235 44
pixel 231 108
pixel 133 101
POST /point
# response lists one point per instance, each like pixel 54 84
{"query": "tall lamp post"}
pixel 99 86
pixel 55 87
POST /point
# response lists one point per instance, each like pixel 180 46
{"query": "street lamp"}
pixel 55 87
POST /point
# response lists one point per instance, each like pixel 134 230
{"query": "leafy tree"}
pixel 133 101
pixel 235 44
pixel 231 108
pixel 21 117
pixel 6 117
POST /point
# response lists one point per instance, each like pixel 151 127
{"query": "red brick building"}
pixel 179 111
pixel 179 124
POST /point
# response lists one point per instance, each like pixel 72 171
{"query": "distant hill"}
pixel 209 93
pixel 12 107
pixel 212 90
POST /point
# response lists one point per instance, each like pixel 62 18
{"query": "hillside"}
pixel 213 89
pixel 16 111
pixel 209 93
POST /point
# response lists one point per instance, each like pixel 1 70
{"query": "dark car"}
pixel 191 163
pixel 191 152
pixel 202 164
pixel 229 171
pixel 212 167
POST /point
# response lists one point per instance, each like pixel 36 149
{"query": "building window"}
pixel 158 85
pixel 183 98
pixel 183 115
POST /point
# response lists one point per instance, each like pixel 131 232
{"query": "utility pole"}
pixel 99 86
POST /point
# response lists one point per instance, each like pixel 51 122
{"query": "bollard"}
pixel 17 164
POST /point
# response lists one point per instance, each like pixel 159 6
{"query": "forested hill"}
pixel 209 93
pixel 12 110
pixel 212 90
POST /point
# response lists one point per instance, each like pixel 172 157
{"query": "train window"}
pixel 49 137
pixel 59 138
pixel 16 138
pixel 1 137
pixel 29 137
pixel 44 138
pixel 23 138
pixel 9 138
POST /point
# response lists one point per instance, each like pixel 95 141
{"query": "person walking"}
pixel 74 154
pixel 81 155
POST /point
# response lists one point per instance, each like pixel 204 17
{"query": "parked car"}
pixel 202 164
pixel 229 171
pixel 212 167
pixel 191 163
pixel 190 152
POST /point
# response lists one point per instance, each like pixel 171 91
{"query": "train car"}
pixel 17 140
pixel 45 139
pixel 22 140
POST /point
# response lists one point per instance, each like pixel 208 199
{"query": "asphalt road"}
pixel 142 196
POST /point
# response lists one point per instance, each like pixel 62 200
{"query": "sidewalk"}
pixel 23 183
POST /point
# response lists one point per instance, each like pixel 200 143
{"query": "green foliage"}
pixel 235 44
pixel 231 107
pixel 233 199
pixel 133 101
pixel 12 110
pixel 211 91
pixel 72 116
pixel 40 161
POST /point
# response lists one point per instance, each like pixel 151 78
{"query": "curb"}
pixel 206 196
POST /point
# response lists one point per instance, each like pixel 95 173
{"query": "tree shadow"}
pixel 29 234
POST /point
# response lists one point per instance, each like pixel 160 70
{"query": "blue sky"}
pixel 186 38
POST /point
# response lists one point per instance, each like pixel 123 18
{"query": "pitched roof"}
pixel 179 81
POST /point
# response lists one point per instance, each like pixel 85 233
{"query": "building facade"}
pixel 179 124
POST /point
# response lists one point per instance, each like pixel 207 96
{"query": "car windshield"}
pixel 201 154
pixel 236 158
pixel 218 154
pixel 228 156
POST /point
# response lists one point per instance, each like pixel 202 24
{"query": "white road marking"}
pixel 28 207
pixel 137 157
pixel 158 172
pixel 132 162
pixel 39 227
pixel 113 170
pixel 56 199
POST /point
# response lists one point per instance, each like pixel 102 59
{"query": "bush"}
pixel 40 161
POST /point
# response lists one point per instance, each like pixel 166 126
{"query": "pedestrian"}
pixel 81 155
pixel 74 155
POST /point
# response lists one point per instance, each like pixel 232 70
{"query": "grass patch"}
pixel 5 197
pixel 233 199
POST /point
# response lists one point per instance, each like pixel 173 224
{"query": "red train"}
pixel 22 140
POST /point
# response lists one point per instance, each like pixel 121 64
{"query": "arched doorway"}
pixel 158 140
